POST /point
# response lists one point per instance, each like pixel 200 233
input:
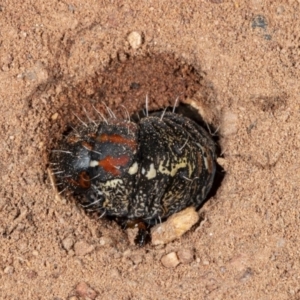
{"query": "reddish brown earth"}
pixel 240 61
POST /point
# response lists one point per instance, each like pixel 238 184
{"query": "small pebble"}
pixel 185 256
pixel 30 75
pixel 9 270
pixel 127 253
pixel 259 22
pixel 170 260
pixel 68 243
pixel 247 274
pixel 174 227
pixel 136 259
pixel 114 272
pixel 82 248
pixel 54 116
pixel 85 291
pixel 31 274
pixel 122 56
pixel 280 10
pixel 205 262
pixel 102 241
pixel 5 68
pixel 134 39
pixel 131 283
pixel 106 241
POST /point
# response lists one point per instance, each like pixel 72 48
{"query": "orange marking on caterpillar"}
pixel 117 139
pixel 87 145
pixel 110 164
pixel 73 139
pixel 82 182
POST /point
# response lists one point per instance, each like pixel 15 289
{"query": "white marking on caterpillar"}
pixel 113 183
pixel 133 169
pixel 152 172
pixel 94 163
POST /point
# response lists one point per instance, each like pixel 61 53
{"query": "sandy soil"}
pixel 240 60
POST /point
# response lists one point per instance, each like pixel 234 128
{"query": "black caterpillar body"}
pixel 145 170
